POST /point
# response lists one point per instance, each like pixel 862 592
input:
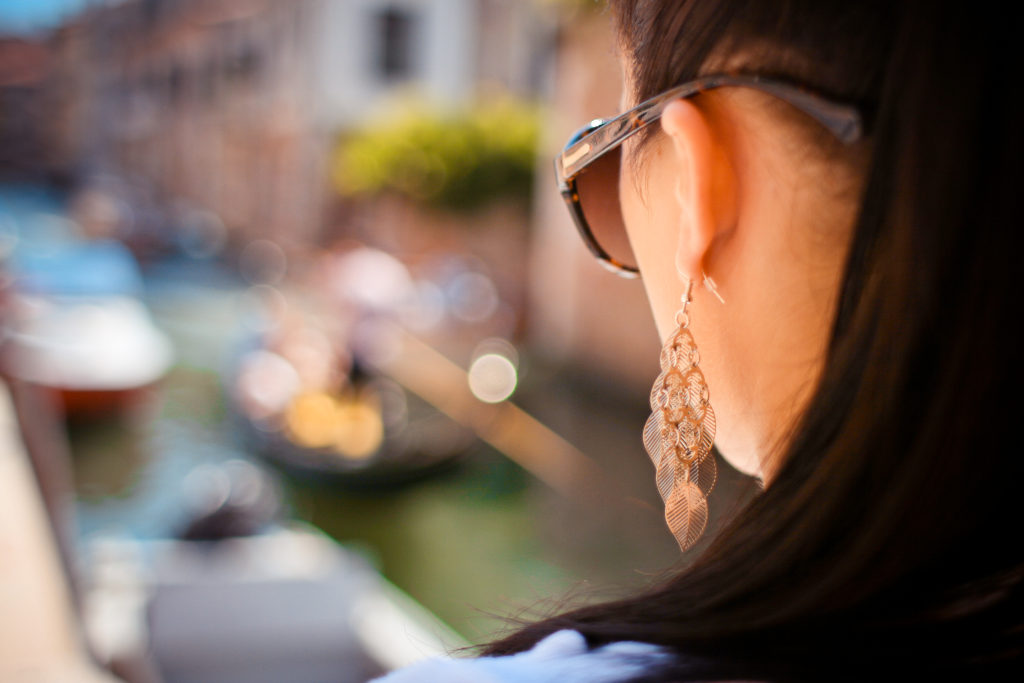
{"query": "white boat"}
pixel 75 325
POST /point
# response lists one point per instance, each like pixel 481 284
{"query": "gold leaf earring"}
pixel 680 432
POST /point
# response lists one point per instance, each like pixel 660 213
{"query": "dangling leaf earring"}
pixel 680 432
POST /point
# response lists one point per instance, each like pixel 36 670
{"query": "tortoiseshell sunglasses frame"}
pixel 601 136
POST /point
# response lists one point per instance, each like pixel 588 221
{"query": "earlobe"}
pixel 704 187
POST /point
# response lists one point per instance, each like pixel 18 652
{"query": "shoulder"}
pixel 562 657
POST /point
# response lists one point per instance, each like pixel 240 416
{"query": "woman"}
pixel 831 188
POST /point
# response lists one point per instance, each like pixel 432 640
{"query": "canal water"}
pixel 476 543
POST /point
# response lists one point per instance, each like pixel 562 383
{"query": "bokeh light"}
pixel 262 262
pixel 312 419
pixel 360 429
pixel 492 378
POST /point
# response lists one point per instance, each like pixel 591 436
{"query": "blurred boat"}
pixel 75 325
pixel 307 396
pixel 369 432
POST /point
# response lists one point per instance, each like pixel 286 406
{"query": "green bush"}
pixel 456 162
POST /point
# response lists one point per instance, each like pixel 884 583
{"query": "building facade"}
pixel 233 106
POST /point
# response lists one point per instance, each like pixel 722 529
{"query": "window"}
pixel 396 28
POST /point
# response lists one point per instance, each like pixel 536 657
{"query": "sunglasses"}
pixel 587 170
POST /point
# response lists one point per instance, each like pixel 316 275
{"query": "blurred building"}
pixel 580 314
pixel 232 106
pixel 230 109
pixel 25 66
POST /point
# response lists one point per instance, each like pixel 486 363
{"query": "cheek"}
pixel 650 222
pixel 635 214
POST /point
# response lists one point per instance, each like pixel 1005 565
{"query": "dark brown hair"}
pixel 889 543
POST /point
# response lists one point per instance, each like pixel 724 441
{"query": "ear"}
pixel 705 185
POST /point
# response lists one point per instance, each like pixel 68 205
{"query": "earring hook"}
pixel 712 286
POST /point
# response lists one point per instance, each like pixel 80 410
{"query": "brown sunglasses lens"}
pixel 598 189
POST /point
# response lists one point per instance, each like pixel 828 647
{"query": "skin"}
pixel 732 189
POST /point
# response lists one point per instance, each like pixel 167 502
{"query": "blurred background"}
pixel 306 373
